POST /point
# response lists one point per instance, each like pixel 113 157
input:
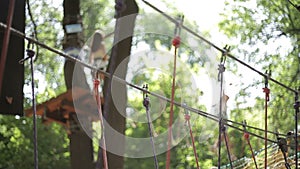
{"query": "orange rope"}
pixel 246 136
pixel 98 100
pixel 6 39
pixel 266 90
pixel 176 43
pixel 187 118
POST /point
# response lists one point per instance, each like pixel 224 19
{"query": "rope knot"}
pixel 146 102
pixel 221 70
pixel 223 128
pixel 187 117
pixel 176 41
pixel 246 135
pixel 30 52
pixel 267 91
pixel 297 105
pixel 225 52
pixel 96 82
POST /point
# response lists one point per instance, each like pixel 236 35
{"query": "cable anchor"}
pixel 146 101
pixel 221 67
pixel 282 143
pixel 146 104
pixel 266 89
pixel 177 40
pixel 29 51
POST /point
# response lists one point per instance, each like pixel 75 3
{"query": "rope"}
pixel 296 106
pixel 34 28
pixel 266 90
pixel 294 5
pixel 146 104
pixel 30 55
pixel 255 128
pixel 246 136
pixel 171 112
pixel 219 143
pixel 6 40
pixel 221 125
pixel 187 118
pixel 220 78
pixel 98 100
pixel 176 43
pixel 227 146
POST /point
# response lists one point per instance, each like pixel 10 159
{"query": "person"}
pixel 98 51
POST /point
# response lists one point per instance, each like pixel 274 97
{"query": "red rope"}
pixel 98 100
pixel 6 40
pixel 246 136
pixel 176 43
pixel 187 118
pixel 266 90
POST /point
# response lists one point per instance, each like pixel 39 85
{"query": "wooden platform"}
pixel 59 108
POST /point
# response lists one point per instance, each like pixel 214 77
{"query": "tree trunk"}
pixel 81 147
pixel 115 102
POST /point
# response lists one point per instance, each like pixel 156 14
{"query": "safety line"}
pixel 187 118
pixel 168 159
pixel 98 100
pixel 227 147
pixel 247 137
pixel 36 161
pixel 176 43
pixel 266 90
pixel 30 55
pixel 146 104
pixel 34 28
pixel 255 128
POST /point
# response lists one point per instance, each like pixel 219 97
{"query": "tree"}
pixel 125 21
pixel 267 36
pixel 16 144
pixel 16 138
pixel 158 38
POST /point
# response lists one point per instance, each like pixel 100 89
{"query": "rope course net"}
pixel 274 154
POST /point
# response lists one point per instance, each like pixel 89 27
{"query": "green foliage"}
pixel 267 37
pixel 16 144
pixel 49 78
pixel 16 135
pixel 159 80
pixel 97 15
pixel 160 36
pixel 259 28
